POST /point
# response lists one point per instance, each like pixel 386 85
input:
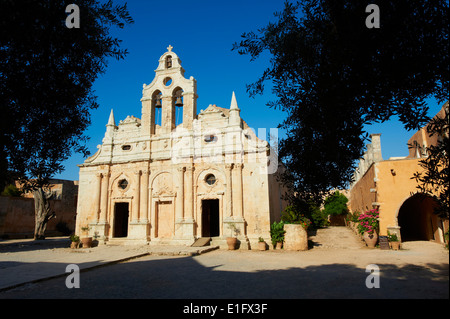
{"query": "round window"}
pixel 167 81
pixel 210 138
pixel 210 179
pixel 123 183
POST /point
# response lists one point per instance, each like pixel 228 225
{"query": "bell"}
pixel 179 102
pixel 158 102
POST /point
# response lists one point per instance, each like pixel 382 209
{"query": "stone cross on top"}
pixel 170 48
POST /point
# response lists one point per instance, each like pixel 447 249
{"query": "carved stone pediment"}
pixel 164 192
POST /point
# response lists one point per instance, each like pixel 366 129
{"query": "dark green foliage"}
pixel 336 204
pixel 332 75
pixel 11 190
pixel 434 181
pixel 47 71
pixel 277 232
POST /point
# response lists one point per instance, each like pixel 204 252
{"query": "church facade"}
pixel 173 176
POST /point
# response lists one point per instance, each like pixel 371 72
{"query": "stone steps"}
pixel 334 237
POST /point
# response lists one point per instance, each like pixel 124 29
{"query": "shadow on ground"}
pixel 187 278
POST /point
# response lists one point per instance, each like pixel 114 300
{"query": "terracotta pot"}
pixel 231 242
pixel 370 239
pixel 87 242
pixel 395 245
pixel 279 245
pixel 261 245
pixel 74 244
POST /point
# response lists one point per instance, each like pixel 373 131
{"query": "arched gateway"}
pixel 417 220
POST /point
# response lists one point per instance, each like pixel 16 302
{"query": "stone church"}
pixel 174 176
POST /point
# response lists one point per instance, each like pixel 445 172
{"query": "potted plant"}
pixel 277 234
pixel 368 227
pixel 232 241
pixel 393 241
pixel 86 240
pixel 261 244
pixel 75 241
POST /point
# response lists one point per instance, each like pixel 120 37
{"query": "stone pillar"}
pixel 104 198
pixel 229 190
pixel 189 109
pixel 180 194
pixel 98 195
pixel 147 116
pixel 189 202
pixel 237 187
pixel 143 212
pixel 152 215
pixel 168 114
pixel 136 198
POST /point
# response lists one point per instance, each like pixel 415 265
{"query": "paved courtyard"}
pixel 334 267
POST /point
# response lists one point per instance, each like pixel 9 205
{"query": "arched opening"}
pixel 179 102
pixel 157 105
pixel 168 62
pixel 417 220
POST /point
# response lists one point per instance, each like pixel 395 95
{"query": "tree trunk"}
pixel 42 213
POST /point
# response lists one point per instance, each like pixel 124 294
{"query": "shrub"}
pixel 336 204
pixel 292 215
pixel 368 222
pixel 11 190
pixel 74 238
pixel 353 217
pixel 392 237
pixel 277 232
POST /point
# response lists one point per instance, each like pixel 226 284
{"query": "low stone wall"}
pixel 17 217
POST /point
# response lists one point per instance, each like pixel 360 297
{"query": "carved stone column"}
pixel 136 198
pixel 237 187
pixel 229 190
pixel 189 202
pixel 180 194
pixel 104 197
pixel 143 213
pixel 98 195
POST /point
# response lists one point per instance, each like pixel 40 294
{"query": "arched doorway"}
pixel 417 220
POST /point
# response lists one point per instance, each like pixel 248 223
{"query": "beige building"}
pixel 173 176
pixel 388 186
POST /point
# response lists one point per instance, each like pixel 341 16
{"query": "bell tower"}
pixel 170 99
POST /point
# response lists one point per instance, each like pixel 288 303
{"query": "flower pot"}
pixel 231 242
pixel 370 239
pixel 261 245
pixel 74 244
pixel 395 245
pixel 279 245
pixel 87 242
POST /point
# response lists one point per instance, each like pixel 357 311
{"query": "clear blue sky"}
pixel 202 33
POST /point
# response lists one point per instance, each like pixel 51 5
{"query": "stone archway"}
pixel 417 220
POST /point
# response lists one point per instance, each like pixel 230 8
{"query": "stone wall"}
pixel 17 213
